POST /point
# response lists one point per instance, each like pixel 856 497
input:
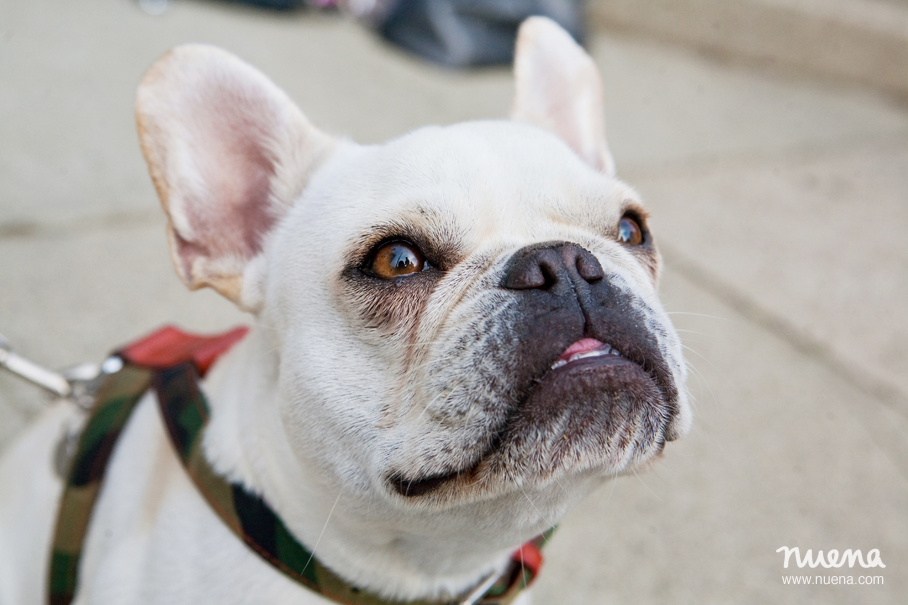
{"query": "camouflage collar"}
pixel 171 362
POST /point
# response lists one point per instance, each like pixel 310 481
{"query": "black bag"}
pixel 275 4
pixel 456 33
pixel 471 32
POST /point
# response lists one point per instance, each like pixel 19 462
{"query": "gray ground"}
pixel 781 207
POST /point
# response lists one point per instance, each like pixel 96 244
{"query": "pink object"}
pixel 581 346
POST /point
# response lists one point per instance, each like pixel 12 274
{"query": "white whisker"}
pixel 533 504
pixel 312 554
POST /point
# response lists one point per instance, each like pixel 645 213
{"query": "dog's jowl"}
pixel 456 335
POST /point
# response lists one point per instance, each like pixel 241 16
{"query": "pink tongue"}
pixel 581 346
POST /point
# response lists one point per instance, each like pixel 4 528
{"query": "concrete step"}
pixel 859 41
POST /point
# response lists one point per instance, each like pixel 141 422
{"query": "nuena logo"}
pixel 832 557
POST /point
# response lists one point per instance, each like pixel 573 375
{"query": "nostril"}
pixel 543 268
pixel 526 276
pixel 588 267
pixel 539 269
pixel 549 273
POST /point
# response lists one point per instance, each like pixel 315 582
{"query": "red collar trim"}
pixel 169 346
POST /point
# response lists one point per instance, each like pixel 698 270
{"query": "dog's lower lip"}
pixel 411 488
pixel 418 487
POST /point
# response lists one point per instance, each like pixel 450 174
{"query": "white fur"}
pixel 313 410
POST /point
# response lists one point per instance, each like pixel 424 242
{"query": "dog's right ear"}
pixel 229 153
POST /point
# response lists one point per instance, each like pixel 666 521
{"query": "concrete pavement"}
pixel 863 42
pixel 780 206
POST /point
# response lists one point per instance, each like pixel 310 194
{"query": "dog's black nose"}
pixel 543 266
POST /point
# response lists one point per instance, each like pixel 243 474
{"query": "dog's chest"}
pixel 149 511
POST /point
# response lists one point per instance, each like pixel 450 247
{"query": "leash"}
pixel 171 363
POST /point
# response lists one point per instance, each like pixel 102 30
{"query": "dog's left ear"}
pixel 229 153
pixel 559 89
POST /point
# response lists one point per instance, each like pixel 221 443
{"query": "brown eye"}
pixel 396 259
pixel 629 232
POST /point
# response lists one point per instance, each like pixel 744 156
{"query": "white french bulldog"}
pixel 456 335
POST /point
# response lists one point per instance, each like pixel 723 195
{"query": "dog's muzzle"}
pixel 566 297
pixel 591 387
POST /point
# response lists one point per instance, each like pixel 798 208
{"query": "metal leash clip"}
pixel 77 384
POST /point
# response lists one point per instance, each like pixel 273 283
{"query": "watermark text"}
pixel 826 580
pixel 832 558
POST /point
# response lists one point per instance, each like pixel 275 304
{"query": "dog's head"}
pixel 466 314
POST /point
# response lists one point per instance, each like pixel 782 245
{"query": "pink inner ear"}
pixel 559 88
pixel 229 210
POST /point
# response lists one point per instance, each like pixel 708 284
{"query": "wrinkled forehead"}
pixel 475 182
